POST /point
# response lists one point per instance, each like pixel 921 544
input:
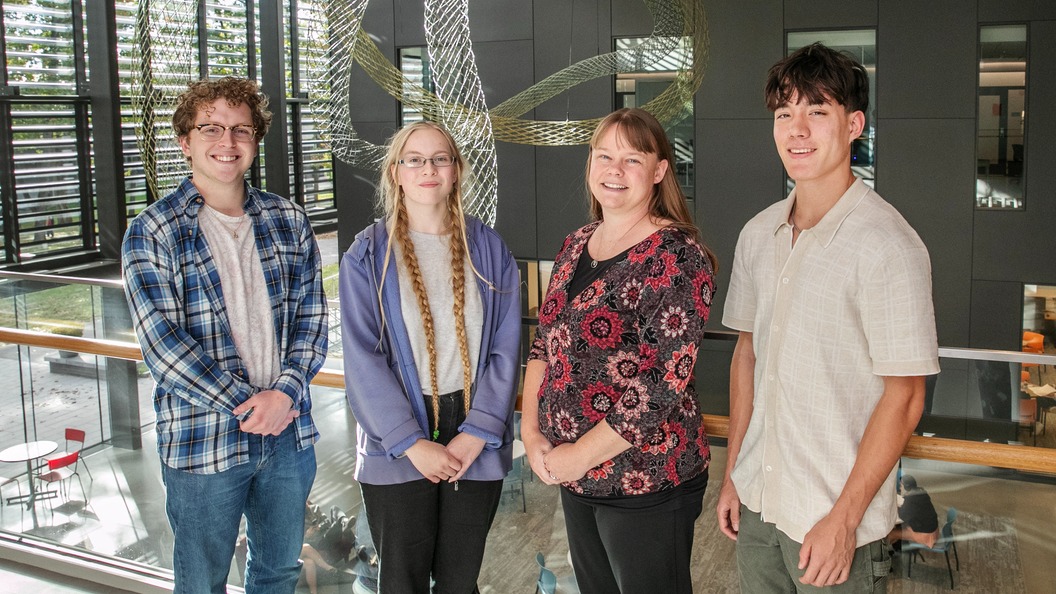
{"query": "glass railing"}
pixel 969 453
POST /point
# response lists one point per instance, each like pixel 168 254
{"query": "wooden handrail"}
pixel 1015 457
pixel 89 346
pixel 1000 455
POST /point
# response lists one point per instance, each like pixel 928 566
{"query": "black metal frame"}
pixel 97 108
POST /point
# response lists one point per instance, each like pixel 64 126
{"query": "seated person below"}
pixel 919 522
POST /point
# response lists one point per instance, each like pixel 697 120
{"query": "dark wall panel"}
pixel 498 79
pixel 370 103
pixel 1019 246
pixel 583 26
pixel 830 14
pixel 516 219
pixel 925 170
pixel 500 20
pixel 926 60
pixel 561 198
pixel 1005 11
pixel 356 188
pixel 997 315
pixel 727 200
pixel 745 40
pixel 373 113
pixel 410 22
pixel 559 25
pixel 1044 9
pixel 630 19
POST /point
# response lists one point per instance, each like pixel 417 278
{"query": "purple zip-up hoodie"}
pixel 381 378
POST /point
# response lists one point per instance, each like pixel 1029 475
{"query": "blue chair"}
pixel 942 545
pixel 548 582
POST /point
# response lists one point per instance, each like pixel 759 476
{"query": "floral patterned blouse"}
pixel 623 350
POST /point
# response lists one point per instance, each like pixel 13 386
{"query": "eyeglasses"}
pixel 418 162
pixel 239 132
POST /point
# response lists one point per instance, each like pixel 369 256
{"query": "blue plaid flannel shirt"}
pixel 178 312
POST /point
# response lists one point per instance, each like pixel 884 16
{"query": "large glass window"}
pixel 312 169
pixel 860 44
pixel 136 193
pixel 636 88
pixel 1001 120
pixel 47 197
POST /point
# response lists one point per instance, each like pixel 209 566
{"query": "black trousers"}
pixel 630 550
pixel 424 531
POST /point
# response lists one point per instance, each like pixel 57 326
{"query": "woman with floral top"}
pixel 614 417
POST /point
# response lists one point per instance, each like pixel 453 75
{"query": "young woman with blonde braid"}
pixel 430 318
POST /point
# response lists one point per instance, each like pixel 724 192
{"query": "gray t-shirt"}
pixel 434 261
pixel 245 292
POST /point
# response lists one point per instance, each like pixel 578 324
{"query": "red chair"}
pixel 75 436
pixel 60 470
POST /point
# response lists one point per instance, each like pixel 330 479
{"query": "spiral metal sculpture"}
pixel 166 35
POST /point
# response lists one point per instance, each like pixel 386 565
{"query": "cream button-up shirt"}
pixel 848 304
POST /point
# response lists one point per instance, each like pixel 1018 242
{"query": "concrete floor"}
pixel 125 517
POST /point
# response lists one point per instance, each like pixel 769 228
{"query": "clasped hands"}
pixel 272 411
pixel 554 465
pixel 438 463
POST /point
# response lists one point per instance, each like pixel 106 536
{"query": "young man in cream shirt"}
pixel 831 294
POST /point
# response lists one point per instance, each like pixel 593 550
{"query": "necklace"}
pixel 238 225
pixel 594 261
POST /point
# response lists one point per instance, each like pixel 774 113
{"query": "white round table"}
pixel 28 452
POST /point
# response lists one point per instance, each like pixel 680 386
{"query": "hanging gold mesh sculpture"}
pixel 166 35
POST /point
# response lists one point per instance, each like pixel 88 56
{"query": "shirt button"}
pixel 784 281
pixel 776 327
pixel 768 468
pixel 771 378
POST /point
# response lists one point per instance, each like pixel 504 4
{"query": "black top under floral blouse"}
pixel 623 350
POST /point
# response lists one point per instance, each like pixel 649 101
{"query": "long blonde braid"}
pixel 458 286
pixel 390 202
pixel 410 260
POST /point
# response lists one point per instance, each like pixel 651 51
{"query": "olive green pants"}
pixel 767 561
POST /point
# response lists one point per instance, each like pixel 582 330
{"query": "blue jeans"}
pixel 205 510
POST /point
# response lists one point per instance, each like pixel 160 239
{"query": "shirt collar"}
pixel 188 196
pixel 829 224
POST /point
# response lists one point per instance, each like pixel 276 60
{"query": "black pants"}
pixel 423 530
pixel 630 550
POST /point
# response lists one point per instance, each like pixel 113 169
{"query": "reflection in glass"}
pixel 1039 336
pixel 414 64
pixel 635 89
pixel 860 45
pixel 1001 118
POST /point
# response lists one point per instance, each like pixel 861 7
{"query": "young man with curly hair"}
pixel 225 288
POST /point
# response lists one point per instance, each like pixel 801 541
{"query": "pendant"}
pixel 234 234
pixel 593 263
